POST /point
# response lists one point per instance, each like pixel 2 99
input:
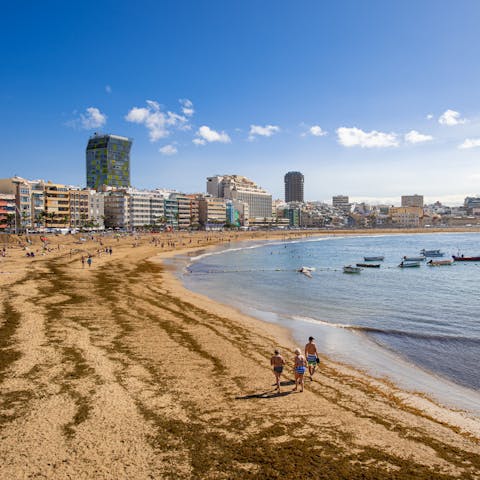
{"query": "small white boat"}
pixel 350 269
pixel 408 264
pixel 420 258
pixel 373 259
pixel 438 263
pixel 432 253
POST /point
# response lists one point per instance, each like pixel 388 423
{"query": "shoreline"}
pixel 411 394
pixel 402 371
pixel 117 371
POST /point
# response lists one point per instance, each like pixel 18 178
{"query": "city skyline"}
pixel 332 91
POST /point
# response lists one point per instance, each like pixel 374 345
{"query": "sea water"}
pixel 421 325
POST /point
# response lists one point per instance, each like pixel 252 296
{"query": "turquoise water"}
pixel 427 316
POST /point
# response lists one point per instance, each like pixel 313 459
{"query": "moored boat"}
pixel 437 263
pixel 350 269
pixel 409 263
pixel 462 258
pixel 374 259
pixel 419 258
pixel 432 253
pixel 368 265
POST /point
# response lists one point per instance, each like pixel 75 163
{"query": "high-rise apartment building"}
pixel 412 201
pixel 294 187
pixel 241 189
pixel 108 161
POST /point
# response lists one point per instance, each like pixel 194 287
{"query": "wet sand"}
pixel 117 371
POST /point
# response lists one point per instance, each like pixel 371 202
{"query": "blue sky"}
pixel 373 99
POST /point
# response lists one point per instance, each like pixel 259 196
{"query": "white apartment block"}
pixel 130 208
pixel 242 189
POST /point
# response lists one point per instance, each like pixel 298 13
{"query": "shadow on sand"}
pixel 269 393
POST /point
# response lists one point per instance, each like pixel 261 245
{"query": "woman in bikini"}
pixel 277 362
pixel 300 368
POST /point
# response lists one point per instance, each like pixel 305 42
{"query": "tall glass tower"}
pixel 108 161
pixel 294 187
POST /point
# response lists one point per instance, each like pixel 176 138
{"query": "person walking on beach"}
pixel 89 261
pixel 311 354
pixel 277 362
pixel 83 261
pixel 300 367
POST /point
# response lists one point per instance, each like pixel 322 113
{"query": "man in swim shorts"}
pixel 277 362
pixel 311 354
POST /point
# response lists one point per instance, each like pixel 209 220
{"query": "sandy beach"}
pixel 116 371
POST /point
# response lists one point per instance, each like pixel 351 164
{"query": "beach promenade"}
pixel 115 371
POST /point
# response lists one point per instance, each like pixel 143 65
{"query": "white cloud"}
pixel 416 137
pixel 266 131
pixel 451 117
pixel 429 116
pixel 355 137
pixel 470 143
pixel 316 131
pixel 168 150
pixel 93 118
pixel 187 107
pixel 207 135
pixel 108 88
pixel 157 122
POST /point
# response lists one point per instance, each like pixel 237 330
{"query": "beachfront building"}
pixel 96 210
pixel 57 205
pixel 294 187
pixel 117 210
pixel 182 210
pixel 130 209
pixel 194 209
pixel 242 212
pixel 406 217
pixel 108 161
pixel 146 208
pixel 241 189
pixel 79 207
pixel 21 189
pixel 42 204
pixel 412 201
pixel 294 215
pixel 170 206
pixel 7 211
pixel 212 212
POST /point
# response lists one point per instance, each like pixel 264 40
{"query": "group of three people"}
pixel 301 363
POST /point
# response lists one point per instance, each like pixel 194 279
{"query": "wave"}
pixel 392 332
pixel 268 243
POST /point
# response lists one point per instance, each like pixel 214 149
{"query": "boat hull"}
pixel 350 269
pixel 432 253
pixel 408 264
pixel 438 263
pixel 373 259
pixel 368 265
pixel 466 259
